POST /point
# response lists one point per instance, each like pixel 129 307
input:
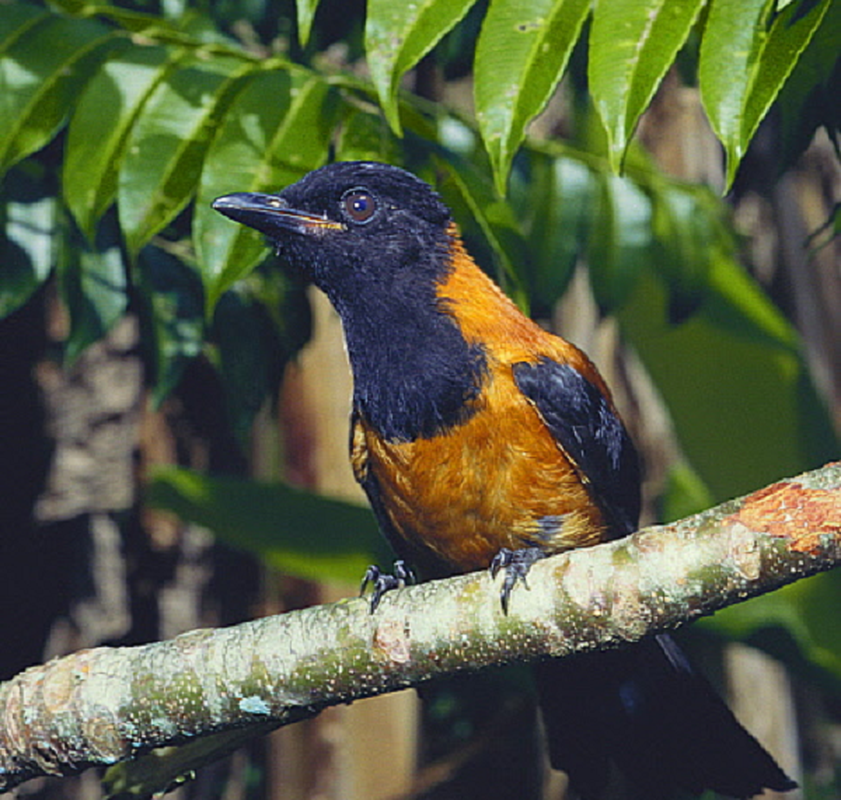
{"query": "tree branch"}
pixel 101 706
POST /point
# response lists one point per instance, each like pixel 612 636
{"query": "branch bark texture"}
pixel 104 705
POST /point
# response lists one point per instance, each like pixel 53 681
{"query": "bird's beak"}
pixel 271 214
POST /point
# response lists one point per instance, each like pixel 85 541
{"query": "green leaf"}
pixel 620 243
pixel 632 44
pixel 398 35
pixel 240 160
pixel 27 237
pixel 298 532
pixel 728 375
pixel 684 493
pixel 282 297
pixel 808 98
pixel 134 21
pixel 168 141
pixel 744 64
pixel 562 196
pixel 15 20
pixel 736 305
pixel 41 72
pixel 173 291
pixel 796 624
pixel 94 288
pixel 686 228
pixel 365 137
pixel 260 147
pixel 727 66
pixel 306 14
pixel 791 32
pixel 522 51
pixel 252 351
pixel 99 128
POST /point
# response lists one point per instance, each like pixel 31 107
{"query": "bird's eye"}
pixel 359 205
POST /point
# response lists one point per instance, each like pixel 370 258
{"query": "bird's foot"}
pixel 383 582
pixel 516 564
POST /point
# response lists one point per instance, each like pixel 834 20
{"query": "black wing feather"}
pixel 591 434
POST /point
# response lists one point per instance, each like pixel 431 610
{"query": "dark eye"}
pixel 359 205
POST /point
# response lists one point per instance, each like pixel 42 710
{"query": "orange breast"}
pixel 498 479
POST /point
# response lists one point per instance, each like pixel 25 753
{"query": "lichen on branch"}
pixel 106 705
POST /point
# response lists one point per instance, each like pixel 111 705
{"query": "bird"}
pixel 482 441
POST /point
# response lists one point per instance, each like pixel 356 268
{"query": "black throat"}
pixel 414 374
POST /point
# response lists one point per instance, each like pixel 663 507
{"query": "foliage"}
pixel 276 522
pixel 118 126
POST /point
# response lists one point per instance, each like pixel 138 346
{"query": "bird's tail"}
pixel 644 713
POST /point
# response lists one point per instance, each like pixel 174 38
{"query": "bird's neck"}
pixel 414 373
pixel 485 313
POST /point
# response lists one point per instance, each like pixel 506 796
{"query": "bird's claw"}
pixel 383 582
pixel 516 564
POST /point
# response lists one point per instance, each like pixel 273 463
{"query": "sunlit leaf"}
pixel 260 147
pixel 790 33
pixel 27 238
pixel 41 72
pixel 746 56
pixel 306 14
pixel 398 35
pixel 168 141
pixel 521 54
pixel 632 44
pixel 99 128
pixel 239 160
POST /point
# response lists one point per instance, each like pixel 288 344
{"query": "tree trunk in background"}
pixel 93 417
pixel 761 696
pixel 365 751
pixel 81 563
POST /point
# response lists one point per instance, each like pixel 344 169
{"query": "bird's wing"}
pixel 583 422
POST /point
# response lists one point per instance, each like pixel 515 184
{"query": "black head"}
pixel 378 241
pixel 352 227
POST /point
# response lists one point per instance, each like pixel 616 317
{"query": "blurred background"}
pixel 174 404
